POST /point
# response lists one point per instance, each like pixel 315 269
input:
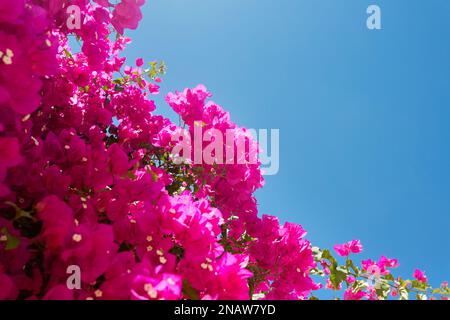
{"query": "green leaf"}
pixel 189 291
pixel 139 82
pixel 118 88
pixel 326 254
pixel 67 54
pixel 337 275
pixel 419 285
pixel 437 291
pixel 349 264
pixel 389 277
pixel 11 241
pixel 381 293
pixel 343 270
pixel 247 238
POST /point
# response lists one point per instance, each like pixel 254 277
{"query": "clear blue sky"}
pixel 364 116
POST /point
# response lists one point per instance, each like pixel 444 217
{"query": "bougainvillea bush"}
pixel 87 179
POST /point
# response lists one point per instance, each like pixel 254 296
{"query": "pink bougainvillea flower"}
pixel 4 96
pixel 345 249
pixel 355 246
pixel 11 10
pixel 351 294
pixel 420 276
pixel 59 292
pixel 127 70
pixel 18 89
pixel 127 14
pixel 230 282
pixel 153 88
pixel 7 287
pixel 342 249
pixel 58 221
pixel 139 62
pixel 159 287
pixel 104 3
pixel 386 262
pixel 87 178
pixel 394 293
pixel 92 248
pixel 9 152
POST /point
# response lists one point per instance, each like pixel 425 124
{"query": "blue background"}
pixel 363 115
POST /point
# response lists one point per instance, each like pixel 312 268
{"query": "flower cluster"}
pixel 371 280
pixel 87 177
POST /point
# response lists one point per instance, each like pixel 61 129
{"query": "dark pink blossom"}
pixel 127 14
pixel 420 276
pixel 345 249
